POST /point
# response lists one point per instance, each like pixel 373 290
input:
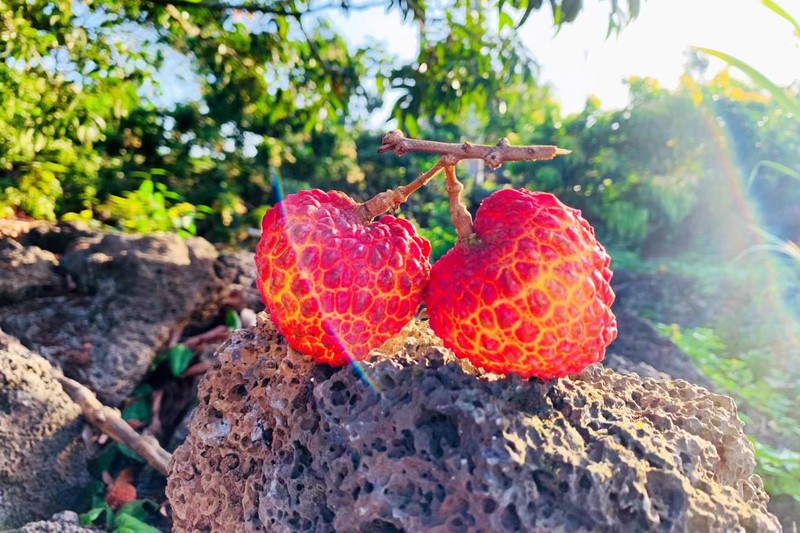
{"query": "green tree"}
pixel 276 82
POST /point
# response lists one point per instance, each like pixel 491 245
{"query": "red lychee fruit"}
pixel 336 285
pixel 530 295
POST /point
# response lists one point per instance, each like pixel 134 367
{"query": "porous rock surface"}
pixel 65 522
pixel 120 299
pixel 43 461
pixel 424 443
pixel 26 272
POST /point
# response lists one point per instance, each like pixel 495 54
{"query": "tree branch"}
pixel 259 8
pixel 111 423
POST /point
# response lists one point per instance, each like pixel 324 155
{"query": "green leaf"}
pixel 130 454
pixel 411 125
pixel 783 169
pixel 89 517
pixel 528 10
pixel 138 508
pixel 778 10
pixel 140 410
pixel 505 20
pixel 179 358
pixel 791 105
pixel 126 522
pixel 232 320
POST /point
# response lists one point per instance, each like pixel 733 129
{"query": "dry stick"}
pixel 108 420
pixel 452 153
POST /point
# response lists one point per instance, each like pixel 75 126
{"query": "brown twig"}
pixel 493 156
pixel 256 7
pixel 451 153
pixel 462 219
pixel 109 421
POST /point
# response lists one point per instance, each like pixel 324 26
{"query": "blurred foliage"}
pixel 276 86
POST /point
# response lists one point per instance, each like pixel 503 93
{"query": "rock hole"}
pixel 380 526
pixel 543 480
pixel 302 460
pixel 338 398
pixel 489 506
pixel 327 515
pixel 442 430
pixel 404 446
pixel 585 482
pixel 510 519
pixel 239 392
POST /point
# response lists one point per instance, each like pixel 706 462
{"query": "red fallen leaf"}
pixel 120 490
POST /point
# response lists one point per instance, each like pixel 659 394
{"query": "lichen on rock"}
pixel 413 440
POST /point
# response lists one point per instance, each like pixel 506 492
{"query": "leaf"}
pixel 232 320
pixel 411 125
pixel 89 517
pixel 778 10
pixel 130 454
pixel 505 20
pixel 528 11
pixel 179 358
pixel 137 508
pixel 790 104
pixel 783 169
pixel 140 410
pixel 127 522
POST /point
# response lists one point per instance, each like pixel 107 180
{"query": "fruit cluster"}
pixel 524 291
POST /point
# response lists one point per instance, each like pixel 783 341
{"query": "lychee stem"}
pixel 391 199
pixel 493 157
pixel 462 219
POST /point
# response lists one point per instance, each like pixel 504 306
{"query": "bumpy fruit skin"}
pixel 532 296
pixel 337 287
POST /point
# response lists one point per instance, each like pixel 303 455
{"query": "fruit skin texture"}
pixel 531 296
pixel 335 286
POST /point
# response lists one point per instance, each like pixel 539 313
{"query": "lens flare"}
pixel 736 218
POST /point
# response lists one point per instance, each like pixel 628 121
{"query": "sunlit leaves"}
pixel 790 102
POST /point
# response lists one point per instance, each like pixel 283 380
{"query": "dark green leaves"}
pixel 179 357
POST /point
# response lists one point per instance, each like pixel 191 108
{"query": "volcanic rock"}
pixel 65 522
pixel 414 440
pixel 120 300
pixel 43 461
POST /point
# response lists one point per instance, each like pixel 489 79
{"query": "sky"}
pixel 580 61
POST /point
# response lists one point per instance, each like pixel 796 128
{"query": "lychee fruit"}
pixel 337 285
pixel 529 293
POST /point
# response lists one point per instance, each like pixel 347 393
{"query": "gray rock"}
pixel 66 522
pixel 416 441
pixel 27 272
pixel 130 294
pixel 240 268
pixel 43 461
